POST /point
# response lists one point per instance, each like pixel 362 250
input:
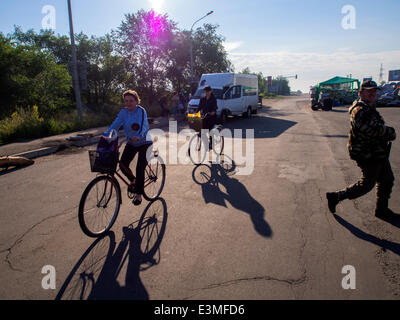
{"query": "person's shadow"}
pixel 95 276
pixel 212 176
pixel 384 244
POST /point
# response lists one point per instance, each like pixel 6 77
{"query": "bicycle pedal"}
pixel 131 191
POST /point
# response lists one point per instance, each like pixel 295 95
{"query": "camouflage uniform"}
pixel 368 146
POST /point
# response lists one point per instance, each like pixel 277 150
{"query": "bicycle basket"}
pixel 194 120
pixel 103 162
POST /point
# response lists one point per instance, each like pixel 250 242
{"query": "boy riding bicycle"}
pixel 133 118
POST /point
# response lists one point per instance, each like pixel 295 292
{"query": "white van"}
pixel 236 93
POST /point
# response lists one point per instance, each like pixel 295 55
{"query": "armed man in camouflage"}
pixel 369 145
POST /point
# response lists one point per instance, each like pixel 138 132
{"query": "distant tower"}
pixel 381 74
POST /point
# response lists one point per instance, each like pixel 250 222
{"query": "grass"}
pixel 271 96
pixel 29 124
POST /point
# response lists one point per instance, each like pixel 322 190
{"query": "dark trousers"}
pixel 209 123
pixel 127 156
pixel 377 172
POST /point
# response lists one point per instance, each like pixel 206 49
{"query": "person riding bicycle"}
pixel 208 104
pixel 133 118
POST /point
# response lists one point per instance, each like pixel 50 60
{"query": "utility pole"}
pixel 191 48
pixel 75 78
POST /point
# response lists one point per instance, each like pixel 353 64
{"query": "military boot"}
pixel 334 198
pixel 382 210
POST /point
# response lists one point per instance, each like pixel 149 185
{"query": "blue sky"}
pixel 276 37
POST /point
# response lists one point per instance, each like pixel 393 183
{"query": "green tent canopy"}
pixel 341 87
pixel 339 80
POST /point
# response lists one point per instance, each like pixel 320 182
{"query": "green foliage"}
pixel 27 124
pixel 30 77
pixel 208 51
pixel 147 53
pixel 144 40
pixel 282 84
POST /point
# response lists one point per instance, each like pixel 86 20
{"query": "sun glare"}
pixel 157 5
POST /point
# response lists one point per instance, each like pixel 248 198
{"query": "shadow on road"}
pixel 211 177
pixel 264 127
pixel 10 169
pixel 384 244
pixel 95 275
pixel 342 136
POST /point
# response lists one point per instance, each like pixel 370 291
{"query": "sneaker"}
pixel 136 201
pixel 333 200
pixel 386 213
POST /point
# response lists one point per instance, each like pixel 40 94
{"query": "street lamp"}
pixel 191 46
pixel 75 78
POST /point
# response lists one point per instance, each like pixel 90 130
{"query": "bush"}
pixel 27 124
pixel 22 124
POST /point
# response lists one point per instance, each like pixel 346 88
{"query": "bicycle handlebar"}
pixel 205 115
pixel 125 139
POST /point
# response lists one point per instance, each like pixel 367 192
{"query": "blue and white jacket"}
pixel 135 124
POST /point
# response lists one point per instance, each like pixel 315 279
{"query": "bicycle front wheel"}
pixel 198 147
pixel 154 178
pixel 99 206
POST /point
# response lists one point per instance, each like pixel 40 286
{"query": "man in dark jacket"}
pixel 369 146
pixel 208 104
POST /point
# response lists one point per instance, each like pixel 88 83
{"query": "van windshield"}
pixel 218 93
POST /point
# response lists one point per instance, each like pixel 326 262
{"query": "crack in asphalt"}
pixel 20 239
pixel 290 282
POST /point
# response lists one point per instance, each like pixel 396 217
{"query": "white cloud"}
pixel 230 46
pixel 313 68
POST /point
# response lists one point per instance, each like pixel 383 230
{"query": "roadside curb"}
pixel 37 153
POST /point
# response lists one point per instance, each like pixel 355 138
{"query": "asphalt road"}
pixel 217 232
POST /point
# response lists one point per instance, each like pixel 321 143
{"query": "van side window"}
pixel 237 92
pixel 228 94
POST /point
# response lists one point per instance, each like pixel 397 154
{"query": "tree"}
pixel 29 76
pixel 282 85
pixel 178 71
pixel 209 55
pixel 45 41
pixel 105 71
pixel 262 81
pixel 144 41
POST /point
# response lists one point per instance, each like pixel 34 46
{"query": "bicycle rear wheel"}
pixel 198 147
pixel 217 141
pixel 99 206
pixel 154 178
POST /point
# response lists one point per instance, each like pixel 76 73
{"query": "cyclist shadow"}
pixel 211 177
pixel 96 275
